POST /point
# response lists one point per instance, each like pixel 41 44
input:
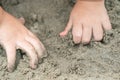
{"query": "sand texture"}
pixel 65 61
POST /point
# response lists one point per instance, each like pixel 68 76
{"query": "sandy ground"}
pixel 65 61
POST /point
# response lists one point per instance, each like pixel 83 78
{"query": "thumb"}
pixel 67 29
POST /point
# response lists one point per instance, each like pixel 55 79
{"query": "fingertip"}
pixel 33 67
pixel 98 32
pixel 108 28
pixel 63 34
pixel 40 53
pixel 98 38
pixel 76 39
pixel 67 29
pixel 85 42
pixel 22 20
pixel 77 33
pixel 107 25
pixel 34 64
pixel 76 42
pixel 10 68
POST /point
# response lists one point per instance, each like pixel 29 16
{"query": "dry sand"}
pixel 65 61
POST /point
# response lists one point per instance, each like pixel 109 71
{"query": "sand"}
pixel 65 61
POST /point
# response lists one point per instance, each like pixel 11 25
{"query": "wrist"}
pixel 96 3
pixel 91 1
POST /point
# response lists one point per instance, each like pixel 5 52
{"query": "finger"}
pixel 98 32
pixel 107 25
pixel 30 51
pixel 67 29
pixel 77 33
pixel 87 32
pixel 22 20
pixel 33 36
pixel 11 56
pixel 39 47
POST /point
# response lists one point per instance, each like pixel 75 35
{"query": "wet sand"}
pixel 65 61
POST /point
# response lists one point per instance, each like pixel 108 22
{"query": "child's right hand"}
pixel 88 19
pixel 14 35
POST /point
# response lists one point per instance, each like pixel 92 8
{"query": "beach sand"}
pixel 65 60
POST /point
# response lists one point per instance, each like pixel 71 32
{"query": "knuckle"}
pixel 31 48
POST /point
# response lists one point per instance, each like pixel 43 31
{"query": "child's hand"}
pixel 88 19
pixel 14 35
